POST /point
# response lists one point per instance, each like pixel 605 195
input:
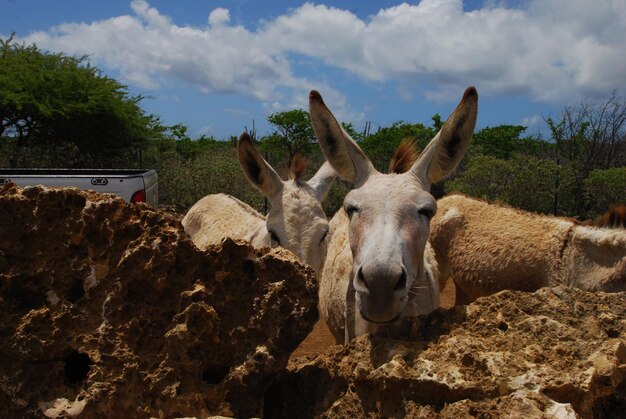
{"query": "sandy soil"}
pixel 320 337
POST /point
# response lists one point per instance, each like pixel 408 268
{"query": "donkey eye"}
pixel 274 238
pixel 427 212
pixel 351 209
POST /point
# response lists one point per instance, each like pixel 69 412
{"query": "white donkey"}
pixel 295 221
pixel 380 266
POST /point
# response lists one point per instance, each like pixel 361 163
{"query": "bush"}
pixel 185 178
pixel 605 187
pixel 218 171
pixel 484 177
pixel 541 185
pixel 525 182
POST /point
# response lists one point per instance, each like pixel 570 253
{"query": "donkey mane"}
pixel 405 155
pixel 298 167
pixel 614 217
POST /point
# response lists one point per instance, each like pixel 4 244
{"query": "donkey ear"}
pixel 341 151
pixel 322 181
pixel 256 169
pixel 446 150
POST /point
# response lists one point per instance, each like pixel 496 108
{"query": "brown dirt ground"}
pixel 320 337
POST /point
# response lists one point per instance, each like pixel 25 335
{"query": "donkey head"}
pixel 296 220
pixel 390 213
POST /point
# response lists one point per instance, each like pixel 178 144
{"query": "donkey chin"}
pixel 380 311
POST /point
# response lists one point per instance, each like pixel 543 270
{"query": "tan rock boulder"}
pixel 559 352
pixel 108 310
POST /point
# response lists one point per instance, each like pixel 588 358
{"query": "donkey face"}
pixel 390 213
pixel 296 220
pixel 389 224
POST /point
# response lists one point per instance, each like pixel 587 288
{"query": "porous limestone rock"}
pixel 559 352
pixel 108 310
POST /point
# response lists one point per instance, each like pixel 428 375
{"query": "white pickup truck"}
pixel 134 185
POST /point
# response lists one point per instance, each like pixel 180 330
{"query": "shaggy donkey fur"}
pixel 487 248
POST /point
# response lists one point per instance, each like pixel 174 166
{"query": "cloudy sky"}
pixel 217 66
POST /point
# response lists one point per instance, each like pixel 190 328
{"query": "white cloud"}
pixel 548 50
pixel 206 130
pixel 532 122
pixel 219 16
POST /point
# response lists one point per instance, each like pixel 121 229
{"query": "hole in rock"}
pixel 612 333
pixel 25 296
pixel 77 291
pixel 214 375
pixel 608 407
pixel 503 326
pixel 77 367
pixel 272 402
pixel 249 268
pixel 298 395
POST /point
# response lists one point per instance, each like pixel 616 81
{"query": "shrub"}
pixel 605 187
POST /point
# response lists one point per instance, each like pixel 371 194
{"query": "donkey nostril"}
pixel 401 283
pixel 360 279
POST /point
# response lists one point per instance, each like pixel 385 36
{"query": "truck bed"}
pixel 134 185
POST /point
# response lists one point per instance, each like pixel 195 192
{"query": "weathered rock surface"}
pixel 559 352
pixel 108 310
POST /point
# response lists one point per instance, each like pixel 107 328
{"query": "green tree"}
pixel 381 145
pixel 54 101
pixel 500 141
pixel 294 134
pixel 437 122
pixel 352 132
pixel 589 136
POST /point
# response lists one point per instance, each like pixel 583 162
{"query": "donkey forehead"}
pixel 296 208
pixel 390 193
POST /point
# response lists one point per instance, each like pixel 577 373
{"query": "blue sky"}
pixel 217 66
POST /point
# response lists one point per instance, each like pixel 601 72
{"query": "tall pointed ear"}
pixel 447 149
pixel 322 181
pixel 256 169
pixel 341 151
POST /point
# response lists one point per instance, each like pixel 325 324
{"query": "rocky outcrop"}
pixel 559 352
pixel 108 310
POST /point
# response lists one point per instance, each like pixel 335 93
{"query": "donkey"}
pixel 295 221
pixel 487 248
pixel 380 266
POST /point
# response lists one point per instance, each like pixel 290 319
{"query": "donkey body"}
pixel 487 248
pixel 217 216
